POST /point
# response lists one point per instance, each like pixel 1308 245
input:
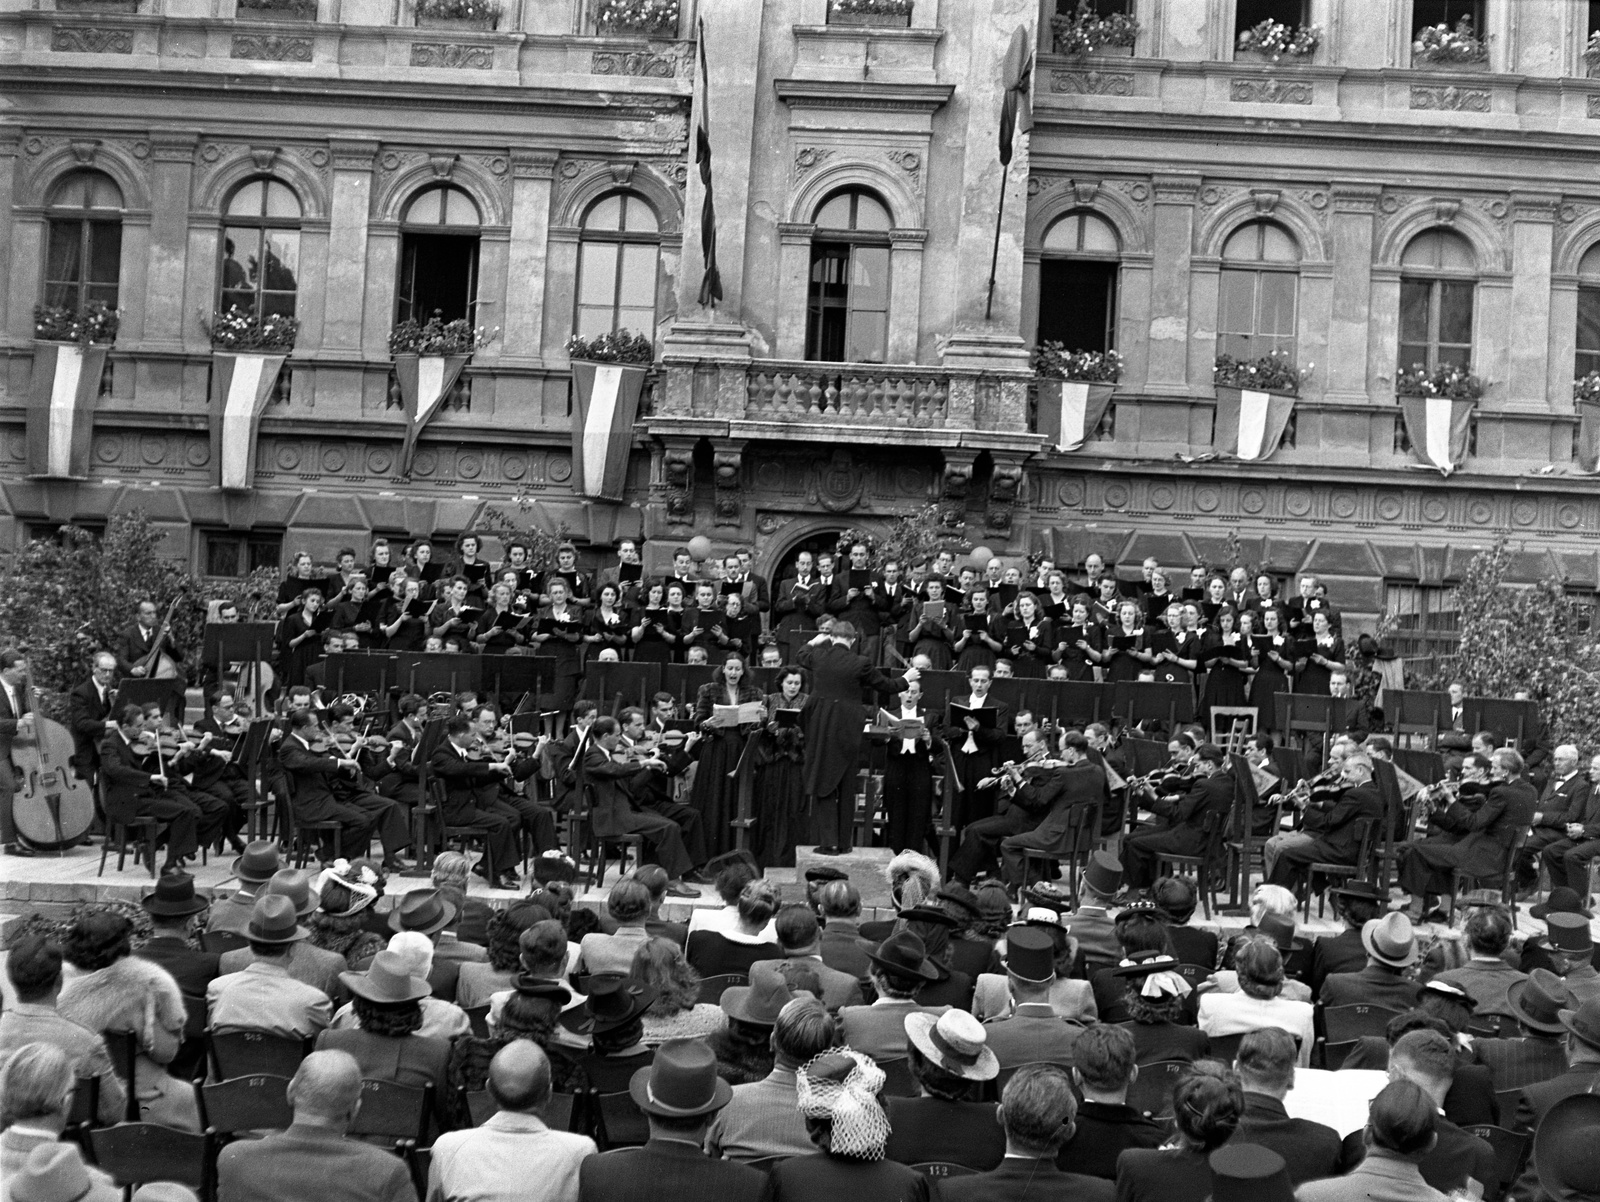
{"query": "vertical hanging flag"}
pixel 240 388
pixel 1438 428
pixel 711 281
pixel 605 404
pixel 1587 453
pixel 60 423
pixel 1071 410
pixel 424 382
pixel 1250 424
pixel 1016 116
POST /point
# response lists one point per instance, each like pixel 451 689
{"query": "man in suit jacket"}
pixel 1563 800
pixel 137 787
pixel 263 996
pixel 763 1118
pixel 308 772
pixel 171 906
pixel 1028 791
pixel 471 787
pixel 1567 858
pixel 1034 1031
pixel 798 599
pixel 831 722
pixel 977 750
pixel 899 969
pixel 1337 829
pixel 1081 785
pixel 1103 1067
pixel 615 811
pixel 800 936
pixel 1391 946
pixel 1399 1135
pixel 681 1094
pixel 1356 902
pixel 840 944
pixel 1037 1099
pixel 315 966
pixel 89 714
pixel 1211 793
pixel 135 644
pixel 1537 1002
pixel 1266 1072
pixel 1583 1067
pixel 313 1158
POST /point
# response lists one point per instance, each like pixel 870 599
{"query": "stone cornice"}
pixel 864 94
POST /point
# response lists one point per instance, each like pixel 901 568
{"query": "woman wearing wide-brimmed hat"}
pixel 612 1016
pixel 346 893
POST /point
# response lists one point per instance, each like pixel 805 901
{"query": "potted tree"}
pixel 1436 405
pixel 1457 48
pixel 1274 41
pixel 637 16
pixel 248 350
pixel 1255 399
pixel 1083 32
pixel 608 375
pixel 895 13
pixel 458 14
pixel 428 358
pixel 69 357
pixel 1074 389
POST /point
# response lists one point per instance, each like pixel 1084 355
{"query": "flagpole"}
pixel 994 255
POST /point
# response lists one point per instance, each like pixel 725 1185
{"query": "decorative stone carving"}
pixel 1266 200
pixel 677 474
pixel 1450 99
pixel 1092 83
pixel 1269 91
pixel 908 161
pixel 91 39
pixel 269 47
pixel 1494 208
pixel 1444 211
pixel 452 54
pixel 646 64
pixel 263 157
pixel 83 149
pixel 442 165
pixel 838 485
pixel 1591 107
pixel 957 479
pixel 1137 190
pixel 728 507
pixel 1005 487
pixel 1085 190
pixel 622 173
pixel 808 157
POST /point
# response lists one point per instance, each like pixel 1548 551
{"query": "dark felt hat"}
pixel 681 1082
pixel 903 955
pixel 422 910
pixel 1103 873
pixel 1537 1001
pixel 1030 954
pixel 1562 900
pixel 174 897
pixel 1566 1154
pixel 611 1002
pixel 1584 1022
pixel 258 863
pixel 1569 932
pixel 273 920
pixel 1249 1173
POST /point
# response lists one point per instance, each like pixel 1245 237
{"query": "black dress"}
pixel 780 787
pixel 1029 665
pixel 716 793
pixel 651 647
pixel 1225 684
pixel 1122 665
pixel 1270 678
pixel 976 653
pixel 1313 677
pixel 1078 664
pixel 612 631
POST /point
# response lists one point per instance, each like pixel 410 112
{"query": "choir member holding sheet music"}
pixel 780 782
pixel 558 633
pixel 726 711
pixel 908 775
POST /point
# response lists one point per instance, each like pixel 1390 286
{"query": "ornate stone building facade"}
pixel 1357 208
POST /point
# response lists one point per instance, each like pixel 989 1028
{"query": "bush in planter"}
pixel 621 347
pixel 1274 39
pixel 1270 373
pixel 1084 32
pixel 95 322
pixel 870 8
pixel 305 9
pixel 1442 44
pixel 485 12
pixel 1446 380
pixel 250 332
pixel 438 337
pixel 636 16
pixel 1054 361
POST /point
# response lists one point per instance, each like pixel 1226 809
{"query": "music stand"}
pixel 170 695
pixel 432 733
pixel 515 675
pixel 427 673
pixel 1245 799
pixel 228 643
pixel 1308 714
pixel 362 672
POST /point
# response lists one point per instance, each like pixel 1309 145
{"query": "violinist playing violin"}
pixel 493 741
pixel 401 781
pixel 1026 791
pixel 653 792
pixel 315 769
pixel 1318 794
pixel 210 762
pixel 138 785
pixel 1333 827
pixel 472 786
pixel 138 645
pixel 1075 781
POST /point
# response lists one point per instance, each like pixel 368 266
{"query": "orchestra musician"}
pixel 137 643
pixel 1027 790
pixel 472 787
pixel 326 787
pixel 212 769
pixel 1334 827
pixel 1211 792
pixel 1318 794
pixel 90 713
pixel 1080 782
pixel 527 813
pixel 653 792
pixel 16 719
pixel 138 785
pixel 908 777
pixel 615 812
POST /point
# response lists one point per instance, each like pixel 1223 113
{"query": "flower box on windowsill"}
pixel 479 24
pixel 97 6
pixel 1481 66
pixel 882 20
pixel 1283 60
pixel 302 13
pixel 1100 52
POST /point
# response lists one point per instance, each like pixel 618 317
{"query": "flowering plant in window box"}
pixel 477 14
pixel 438 336
pixel 276 10
pixel 1270 373
pixel 621 347
pixel 1055 362
pixel 1274 39
pixel 870 12
pixel 241 330
pixel 1075 390
pixel 1591 52
pixel 1441 44
pixel 96 322
pixel 248 350
pixel 1446 380
pixel 636 16
pixel 1587 388
pixel 1086 32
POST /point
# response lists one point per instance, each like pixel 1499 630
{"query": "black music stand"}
pixel 684 680
pixel 427 673
pixel 1245 799
pixel 1138 700
pixel 1506 717
pixel 228 643
pixel 362 672
pixel 622 684
pixel 516 675
pixel 1308 714
pixel 170 695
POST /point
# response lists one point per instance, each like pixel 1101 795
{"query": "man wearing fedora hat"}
pixel 680 1093
pixel 763 1117
pixel 172 906
pixel 1582 1029
pixel 1033 1031
pixel 1391 947
pixel 949 1058
pixel 56 1173
pixel 252 870
pixel 1564 1163
pixel 1357 902
pixel 1535 1002
pixel 315 966
pixel 263 996
pixel 900 969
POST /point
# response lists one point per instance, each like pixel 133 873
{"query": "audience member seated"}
pixel 346 894
pixel 912 879
pixel 463 937
pixel 763 1117
pixel 1070 999
pixel 654 878
pixel 263 996
pixel 971 949
pixel 1391 946
pixel 729 884
pixel 1207 1104
pixel 313 1158
pixel 744 1048
pixel 1572 955
pixel 1399 1134
pixel 513 1156
pixel 838 1094
pixel 677 1012
pixel 1157 1003
pixel 1175 898
pixel 34 969
pixel 544 954
pixel 1266 1066
pixel 1538 1053
pixel 731 951
pixel 842 947
pixel 936 928
pixel 252 871
pixel 681 1094
pixel 1582 1072
pixel 36 1088
pixel 1103 1069
pixel 476 983
pixel 315 966
pixel 172 906
pixel 949 1057
pixel 800 937
pixel 1358 903
pixel 628 904
pixel 529 1012
pixel 1258 1003
pixel 1034 1031
pixel 1091 925
pixel 56 1172
pixel 440 1019
pixel 1486 977
pixel 1139 929
pixel 612 1016
pixel 900 969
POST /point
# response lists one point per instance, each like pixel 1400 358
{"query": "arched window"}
pixel 1438 275
pixel 619 258
pixel 1259 291
pixel 847 305
pixel 439 255
pixel 84 257
pixel 1078 283
pixel 1588 359
pixel 260 248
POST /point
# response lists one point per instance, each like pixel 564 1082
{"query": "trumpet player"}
pixel 1332 827
pixel 1025 791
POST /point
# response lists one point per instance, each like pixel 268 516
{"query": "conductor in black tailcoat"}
pixel 832 721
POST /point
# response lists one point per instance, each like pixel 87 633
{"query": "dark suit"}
pixel 843 947
pixel 471 793
pixel 666 1171
pixel 1475 841
pixel 809 1178
pixel 831 721
pixel 923 1129
pixel 1194 945
pixel 1163 1175
pixel 1518 1063
pixel 1454 1158
pixel 1536 1100
pixel 974 803
pixel 1035 1180
pixel 1568 858
pixel 1185 833
pixel 1104 1131
pixel 192 970
pixel 1374 985
pixel 129 794
pixel 1310 1149
pixel 1343 952
pixel 414 1060
pixel 1038 791
pixel 1561 802
pixel 1153 1042
pixel 86 718
pixel 311 776
pixel 310 1162
pixel 1080 788
pixel 1335 841
pixel 133 646
pixel 1034 1032
pixel 908 788
pixel 613 810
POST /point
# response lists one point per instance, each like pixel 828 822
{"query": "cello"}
pixel 157 664
pixel 52 808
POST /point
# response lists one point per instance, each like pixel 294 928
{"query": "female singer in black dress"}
pixel 980 634
pixel 1272 653
pixel 716 783
pixel 491 636
pixel 1226 656
pixel 736 630
pixel 558 632
pixel 1030 638
pixel 1082 642
pixel 291 592
pixel 1126 655
pixel 300 637
pixel 779 791
pixel 1319 657
pixel 608 625
pixel 474 569
pixel 654 632
pixel 404 632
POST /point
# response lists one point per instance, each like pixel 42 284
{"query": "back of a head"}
pixel 450 870
pixel 803 1031
pixel 1260 966
pixel 1176 897
pixel 1488 931
pixel 654 878
pixel 757 902
pixel 732 880
pixel 1207 1103
pixel 1037 1106
pixel 912 877
pixel 1401 1119
pixel 1272 899
pixel 326 1086
pixel 1266 1060
pixel 34 967
pixel 839 899
pixel 1104 1057
pixel 1413 1020
pixel 1143 932
pixel 629 901
pixel 415 949
pixel 543 948
pixel 1425 1057
pixel 796 927
pixel 35 1083
pixel 519 1076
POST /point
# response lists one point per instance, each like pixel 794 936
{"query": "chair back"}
pixel 480 1105
pixel 253 1103
pixel 393 1111
pixel 1510 1152
pixel 1151 1092
pixel 898 1081
pixel 478 1017
pixel 218 942
pixel 943 1168
pixel 133 1153
pixel 1350 1022
pixel 85 1111
pixel 123 1049
pixel 254 1054
pixel 1232 725
pixel 1224 1048
pixel 619 1121
pixel 711 988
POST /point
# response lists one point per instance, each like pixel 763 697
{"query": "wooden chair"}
pixel 392 1111
pixel 254 1103
pixel 428 815
pixel 1366 832
pixel 1205 866
pixel 297 833
pixel 943 1168
pixel 1504 876
pixel 254 1054
pixel 133 1153
pixel 1225 1047
pixel 478 1017
pixel 218 942
pixel 1342 1026
pixel 143 832
pixel 711 988
pixel 1232 725
pixel 1511 1150
pixel 1151 1092
pixel 1072 849
pixel 123 1049
pixel 618 1121
pixel 84 1113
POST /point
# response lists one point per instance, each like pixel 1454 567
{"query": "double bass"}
pixel 158 665
pixel 52 808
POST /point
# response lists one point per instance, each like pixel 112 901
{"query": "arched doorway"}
pixel 812 536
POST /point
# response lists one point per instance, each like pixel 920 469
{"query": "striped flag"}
pixel 1071 410
pixel 1438 428
pixel 241 385
pixel 711 281
pixel 66 383
pixel 1587 452
pixel 605 404
pixel 1250 424
pixel 424 382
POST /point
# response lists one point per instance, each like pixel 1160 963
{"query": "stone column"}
pixel 905 293
pixel 794 271
pixel 349 213
pixel 1354 203
pixel 8 198
pixel 532 174
pixel 1172 245
pixel 1533 217
pixel 166 298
